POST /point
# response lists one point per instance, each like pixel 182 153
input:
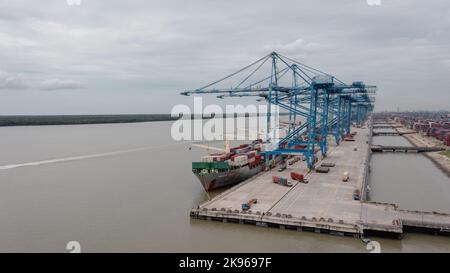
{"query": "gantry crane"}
pixel 325 104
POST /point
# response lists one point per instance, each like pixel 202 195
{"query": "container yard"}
pixel 426 131
pixel 435 125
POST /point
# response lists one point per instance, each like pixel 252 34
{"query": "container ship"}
pixel 230 167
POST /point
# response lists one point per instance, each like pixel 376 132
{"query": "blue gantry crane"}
pixel 319 104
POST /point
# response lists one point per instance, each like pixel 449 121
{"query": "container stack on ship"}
pixel 231 167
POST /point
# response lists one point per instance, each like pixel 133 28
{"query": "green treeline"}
pixel 80 119
pixel 93 119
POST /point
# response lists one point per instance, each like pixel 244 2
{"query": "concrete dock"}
pixel 405 149
pixel 326 204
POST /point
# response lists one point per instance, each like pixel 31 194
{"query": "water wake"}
pixel 83 157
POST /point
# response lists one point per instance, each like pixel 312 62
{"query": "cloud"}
pixel 296 47
pixel 137 55
pixel 59 84
pixel 10 81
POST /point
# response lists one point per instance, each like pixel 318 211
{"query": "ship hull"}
pixel 212 181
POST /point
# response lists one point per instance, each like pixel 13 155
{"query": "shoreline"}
pixel 53 120
pixel 442 162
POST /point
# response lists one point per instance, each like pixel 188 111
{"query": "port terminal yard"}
pixel 325 204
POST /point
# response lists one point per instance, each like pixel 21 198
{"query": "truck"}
pixel 345 177
pixel 322 170
pixel 247 206
pixel 356 195
pixel 281 181
pixel 282 166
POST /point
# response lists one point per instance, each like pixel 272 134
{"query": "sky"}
pixel 135 57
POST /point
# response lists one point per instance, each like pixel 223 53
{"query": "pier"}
pixel 383 122
pixel 325 205
pixel 404 149
pixel 385 126
pixel 391 133
pixel 430 222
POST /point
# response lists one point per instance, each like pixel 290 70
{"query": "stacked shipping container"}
pixel 439 128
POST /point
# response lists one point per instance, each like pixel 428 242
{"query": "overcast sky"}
pixel 136 56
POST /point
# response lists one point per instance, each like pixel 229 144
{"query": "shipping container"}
pixel 435 125
pixel 322 170
pixel 207 165
pixel 327 164
pixel 447 139
pixel 281 180
pixel 300 147
pixel 257 160
pixel 240 160
pixel 297 176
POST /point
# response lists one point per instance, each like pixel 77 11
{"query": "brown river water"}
pixel 129 188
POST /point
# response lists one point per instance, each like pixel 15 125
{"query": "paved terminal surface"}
pixel 325 204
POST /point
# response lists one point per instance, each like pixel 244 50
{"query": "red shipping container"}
pixel 297 176
pixel 300 147
pixel 257 160
pixel 447 139
pixel 435 125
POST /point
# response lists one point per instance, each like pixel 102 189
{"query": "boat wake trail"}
pixel 83 157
